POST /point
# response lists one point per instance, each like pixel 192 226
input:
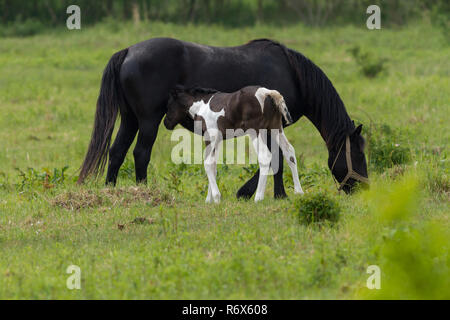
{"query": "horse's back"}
pixel 153 67
pixel 148 72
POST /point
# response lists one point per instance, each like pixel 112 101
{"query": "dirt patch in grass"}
pixel 125 197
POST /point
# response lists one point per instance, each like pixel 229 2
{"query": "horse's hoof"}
pixel 244 194
pixel 280 195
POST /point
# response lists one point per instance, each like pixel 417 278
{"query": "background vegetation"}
pixel 24 17
pixel 163 241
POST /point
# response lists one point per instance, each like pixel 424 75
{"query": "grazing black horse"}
pixel 137 81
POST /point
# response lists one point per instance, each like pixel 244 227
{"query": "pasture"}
pixel 162 241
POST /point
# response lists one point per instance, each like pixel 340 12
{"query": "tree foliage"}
pixel 227 12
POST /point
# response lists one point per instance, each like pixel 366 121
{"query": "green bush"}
pixel 413 258
pixel 369 65
pixel 386 147
pixel 316 208
pixel 20 28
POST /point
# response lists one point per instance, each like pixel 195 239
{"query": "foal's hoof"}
pixel 257 199
pixel 213 199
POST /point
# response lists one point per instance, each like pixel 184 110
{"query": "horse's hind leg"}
pixel 148 129
pixel 123 141
pixel 278 185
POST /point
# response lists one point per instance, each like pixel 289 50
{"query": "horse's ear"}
pixel 357 131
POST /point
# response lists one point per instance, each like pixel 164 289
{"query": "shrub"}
pixel 369 65
pixel 317 208
pixel 21 28
pixel 413 258
pixel 386 147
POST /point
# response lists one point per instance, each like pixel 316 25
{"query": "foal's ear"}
pixel 357 131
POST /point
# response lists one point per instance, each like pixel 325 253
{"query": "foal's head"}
pixel 177 107
pixel 180 100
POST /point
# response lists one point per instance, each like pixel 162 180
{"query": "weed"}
pixel 438 180
pixel 45 178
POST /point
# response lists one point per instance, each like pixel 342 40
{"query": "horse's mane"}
pixel 318 93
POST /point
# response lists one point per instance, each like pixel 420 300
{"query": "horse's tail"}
pixel 109 101
pixel 281 105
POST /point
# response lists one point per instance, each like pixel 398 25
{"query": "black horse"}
pixel 137 81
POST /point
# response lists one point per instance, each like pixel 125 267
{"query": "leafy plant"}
pixel 386 147
pixel 369 65
pixel 248 171
pixel 127 169
pixel 317 208
pixel 46 178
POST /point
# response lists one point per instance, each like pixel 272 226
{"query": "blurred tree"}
pixel 227 12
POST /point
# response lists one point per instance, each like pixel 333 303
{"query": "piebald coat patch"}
pixel 261 95
pixel 202 109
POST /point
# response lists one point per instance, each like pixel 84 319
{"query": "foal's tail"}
pixel 279 102
pixel 109 101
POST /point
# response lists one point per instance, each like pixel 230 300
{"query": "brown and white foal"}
pixel 252 110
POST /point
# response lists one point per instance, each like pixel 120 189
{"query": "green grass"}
pixel 188 249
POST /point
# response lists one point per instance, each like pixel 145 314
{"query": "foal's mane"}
pixel 322 100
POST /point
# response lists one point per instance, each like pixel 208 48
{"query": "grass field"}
pixel 162 241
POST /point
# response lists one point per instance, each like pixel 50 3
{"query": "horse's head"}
pixel 177 108
pixel 347 161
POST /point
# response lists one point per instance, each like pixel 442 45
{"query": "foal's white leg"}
pixel 289 155
pixel 264 158
pixel 210 168
pixel 208 197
